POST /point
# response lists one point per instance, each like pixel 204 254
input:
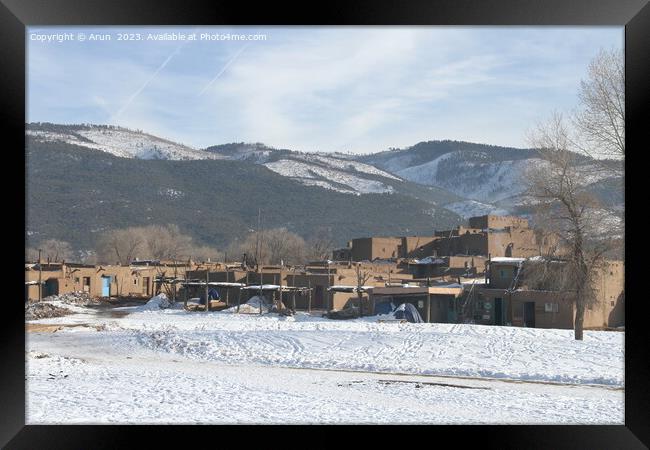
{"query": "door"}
pixel 145 285
pixel 529 314
pixel 498 311
pixel 51 287
pixel 106 286
pixel 318 301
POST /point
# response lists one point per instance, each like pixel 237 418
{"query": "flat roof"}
pixel 454 290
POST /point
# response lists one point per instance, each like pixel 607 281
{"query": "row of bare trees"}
pixel 167 242
pixel 155 242
pixel 53 250
pixel 281 246
pixel 559 186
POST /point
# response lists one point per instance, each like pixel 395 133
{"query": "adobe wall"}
pixel 496 222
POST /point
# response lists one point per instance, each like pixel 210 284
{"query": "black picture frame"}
pixel 15 15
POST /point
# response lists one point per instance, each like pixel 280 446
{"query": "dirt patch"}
pixel 42 328
pixel 419 384
pixel 622 329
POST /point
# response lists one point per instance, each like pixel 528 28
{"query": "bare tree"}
pixel 274 246
pixel 55 250
pixel 205 253
pixel 563 203
pixel 166 242
pixel 320 245
pixel 600 119
pixel 362 277
pixel 120 246
pixel 31 254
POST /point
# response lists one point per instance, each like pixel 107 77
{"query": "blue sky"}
pixel 359 89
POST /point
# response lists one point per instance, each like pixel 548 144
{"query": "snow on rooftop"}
pixel 350 288
pixel 267 287
pixel 430 260
pixel 507 259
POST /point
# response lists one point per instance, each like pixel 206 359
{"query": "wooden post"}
pixel 227 281
pixel 175 277
pixel 279 304
pixel 260 294
pixel 239 299
pixel 207 280
pixel 309 296
pixel 329 294
pixel 40 276
pixel 187 268
pixel 294 300
pixel 428 307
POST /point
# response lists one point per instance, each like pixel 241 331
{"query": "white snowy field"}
pixel 173 366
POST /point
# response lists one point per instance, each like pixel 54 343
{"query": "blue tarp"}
pixel 213 294
pixel 409 312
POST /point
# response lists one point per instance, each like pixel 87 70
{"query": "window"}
pixel 611 303
pixel 551 307
pixel 76 279
pixel 135 281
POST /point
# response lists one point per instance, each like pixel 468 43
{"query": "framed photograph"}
pixel 241 215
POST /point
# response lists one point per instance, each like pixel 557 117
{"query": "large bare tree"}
pixel 120 246
pixel 564 205
pixel 600 118
pixel 166 242
pixel 362 277
pixel 161 242
pixel 320 245
pixel 274 246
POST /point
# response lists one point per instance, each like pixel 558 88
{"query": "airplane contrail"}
pixel 136 93
pixel 223 69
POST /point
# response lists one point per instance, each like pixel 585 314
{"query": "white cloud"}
pixel 323 88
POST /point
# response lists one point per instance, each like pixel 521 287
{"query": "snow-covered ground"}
pixel 173 366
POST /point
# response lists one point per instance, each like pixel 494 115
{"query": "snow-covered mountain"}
pixel 337 172
pixel 117 141
pixel 466 178
pixel 491 178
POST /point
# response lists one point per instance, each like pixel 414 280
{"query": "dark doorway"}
pixel 86 284
pixel 318 298
pixel 146 282
pixel 51 287
pixel 529 314
pixel 498 311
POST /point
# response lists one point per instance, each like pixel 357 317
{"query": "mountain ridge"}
pixel 454 179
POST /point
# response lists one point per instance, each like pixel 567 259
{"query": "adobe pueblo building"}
pixel 486 235
pixel 470 274
pixel 475 274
